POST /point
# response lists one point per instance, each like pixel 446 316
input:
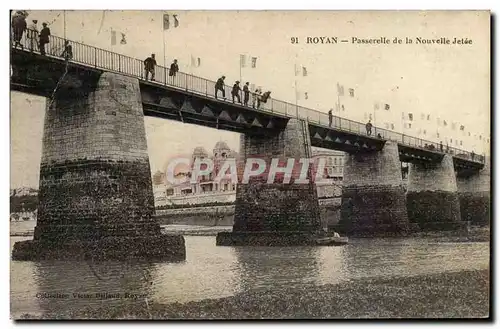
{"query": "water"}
pixel 211 272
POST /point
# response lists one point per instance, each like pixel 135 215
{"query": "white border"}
pixel 188 4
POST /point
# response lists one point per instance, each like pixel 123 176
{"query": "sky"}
pixel 447 82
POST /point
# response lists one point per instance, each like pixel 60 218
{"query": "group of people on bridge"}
pixel 257 97
pixel 36 40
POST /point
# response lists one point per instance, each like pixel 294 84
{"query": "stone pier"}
pixel 95 193
pixel 276 214
pixel 373 196
pixel 475 196
pixel 432 198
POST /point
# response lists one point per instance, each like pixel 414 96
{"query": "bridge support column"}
pixel 373 197
pixel 474 195
pixel 432 198
pixel 95 193
pixel 275 213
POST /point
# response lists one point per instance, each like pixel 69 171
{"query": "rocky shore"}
pixel 462 294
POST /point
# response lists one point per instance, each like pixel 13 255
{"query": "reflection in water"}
pixel 269 268
pixel 64 285
pixel 213 272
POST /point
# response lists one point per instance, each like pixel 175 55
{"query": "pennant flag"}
pixel 242 60
pixel 306 96
pixel 428 117
pixel 444 123
pixel 462 128
pixel 410 116
pixel 123 41
pixel 351 92
pixel 195 61
pixel 166 22
pixel 304 71
pixel 392 126
pixel 254 62
pixel 113 37
pixel 176 21
pixel 387 107
pixel 340 90
pixel 297 70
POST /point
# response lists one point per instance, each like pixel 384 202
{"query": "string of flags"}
pixel 195 61
pixel 123 40
pixel 243 61
pixel 166 21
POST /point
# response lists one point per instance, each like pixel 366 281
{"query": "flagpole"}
pixel 241 63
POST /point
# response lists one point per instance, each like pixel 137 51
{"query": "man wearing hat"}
pixel 33 34
pixel 246 94
pixel 174 68
pixel 236 91
pixel 44 38
pixel 18 27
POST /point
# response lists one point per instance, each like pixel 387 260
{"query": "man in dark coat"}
pixel 246 94
pixel 44 38
pixel 369 128
pixel 149 67
pixel 236 91
pixel 330 118
pixel 219 85
pixel 174 68
pixel 19 25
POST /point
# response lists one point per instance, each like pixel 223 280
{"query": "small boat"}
pixel 332 241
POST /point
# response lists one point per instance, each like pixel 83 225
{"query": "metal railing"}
pixel 107 60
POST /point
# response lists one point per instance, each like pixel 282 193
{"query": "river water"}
pixel 211 272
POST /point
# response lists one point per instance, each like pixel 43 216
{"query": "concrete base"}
pixel 157 248
pixel 475 207
pixel 271 239
pixel 377 211
pixel 427 208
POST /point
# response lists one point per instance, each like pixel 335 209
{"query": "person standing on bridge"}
pixel 19 25
pixel 219 85
pixel 44 38
pixel 246 94
pixel 441 146
pixel 330 118
pixel 255 96
pixel 149 67
pixel 369 127
pixel 236 91
pixel 174 68
pixel 33 35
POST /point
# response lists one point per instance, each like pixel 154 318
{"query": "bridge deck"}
pixel 96 59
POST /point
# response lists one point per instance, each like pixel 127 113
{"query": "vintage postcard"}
pixel 250 164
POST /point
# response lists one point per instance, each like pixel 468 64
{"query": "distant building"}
pixel 205 189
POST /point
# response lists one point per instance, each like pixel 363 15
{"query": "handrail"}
pixel 103 59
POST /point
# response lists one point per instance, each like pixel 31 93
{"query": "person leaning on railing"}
pixel 68 51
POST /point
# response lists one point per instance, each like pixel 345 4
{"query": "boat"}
pixel 335 240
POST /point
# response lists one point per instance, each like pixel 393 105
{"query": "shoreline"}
pixel 476 234
pixel 463 294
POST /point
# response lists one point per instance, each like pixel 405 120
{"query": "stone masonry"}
pixel 475 196
pixel 432 199
pixel 373 197
pixel 277 213
pixel 95 194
